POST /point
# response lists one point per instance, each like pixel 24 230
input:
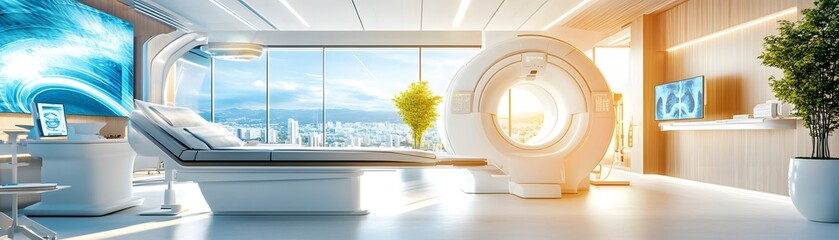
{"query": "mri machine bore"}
pixel 576 131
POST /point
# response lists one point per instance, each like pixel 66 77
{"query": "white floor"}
pixel 427 205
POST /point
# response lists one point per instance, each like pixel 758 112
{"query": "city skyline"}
pixel 337 97
pixel 338 134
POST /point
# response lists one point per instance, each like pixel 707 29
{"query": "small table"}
pixel 28 227
pixel 18 223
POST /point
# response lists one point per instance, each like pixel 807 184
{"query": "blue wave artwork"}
pixel 682 99
pixel 61 51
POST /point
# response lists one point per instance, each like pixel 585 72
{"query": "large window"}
pixel 360 86
pixel 337 97
pixel 295 87
pixel 439 65
pixel 240 94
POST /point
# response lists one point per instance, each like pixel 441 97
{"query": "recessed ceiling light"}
pixel 294 12
pixel 219 5
pixel 566 14
pixel 461 11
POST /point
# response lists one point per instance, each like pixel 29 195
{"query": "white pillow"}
pixel 214 137
pixel 178 116
pixel 178 133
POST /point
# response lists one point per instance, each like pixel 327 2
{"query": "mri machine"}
pixel 236 179
pixel 575 134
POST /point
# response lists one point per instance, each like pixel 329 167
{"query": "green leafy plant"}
pixel 418 108
pixel 808 53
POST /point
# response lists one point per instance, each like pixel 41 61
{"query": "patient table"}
pixel 264 179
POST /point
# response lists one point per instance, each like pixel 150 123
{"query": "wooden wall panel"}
pixel 676 20
pixel 144 28
pixel 697 18
pixel 705 16
pixel 608 16
pixel 653 74
pixel 735 82
pixel 752 9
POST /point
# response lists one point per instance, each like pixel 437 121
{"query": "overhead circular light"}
pixel 242 52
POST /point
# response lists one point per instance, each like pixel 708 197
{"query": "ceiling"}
pixel 604 16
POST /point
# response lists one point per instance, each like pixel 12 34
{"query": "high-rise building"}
pixel 272 136
pixel 293 131
pixel 315 139
pixel 240 133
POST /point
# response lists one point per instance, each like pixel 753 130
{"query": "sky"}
pixel 358 79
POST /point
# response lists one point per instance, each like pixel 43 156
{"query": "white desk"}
pixel 98 170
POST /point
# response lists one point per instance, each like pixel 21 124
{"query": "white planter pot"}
pixel 814 188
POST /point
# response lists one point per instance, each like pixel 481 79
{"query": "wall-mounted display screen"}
pixel 62 51
pixel 683 99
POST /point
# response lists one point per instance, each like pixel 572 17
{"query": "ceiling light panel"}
pixel 321 15
pixel 513 14
pixel 294 12
pixel 204 14
pixel 461 11
pixel 274 12
pixel 567 15
pixel 548 13
pixel 402 15
pixel 243 13
pixel 440 14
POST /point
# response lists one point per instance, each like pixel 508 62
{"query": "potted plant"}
pixel 418 108
pixel 808 53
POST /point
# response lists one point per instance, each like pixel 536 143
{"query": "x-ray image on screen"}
pixel 682 99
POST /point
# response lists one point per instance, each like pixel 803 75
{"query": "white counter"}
pixel 99 172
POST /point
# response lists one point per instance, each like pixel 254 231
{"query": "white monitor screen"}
pixel 51 120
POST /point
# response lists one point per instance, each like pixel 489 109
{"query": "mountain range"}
pixel 305 116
